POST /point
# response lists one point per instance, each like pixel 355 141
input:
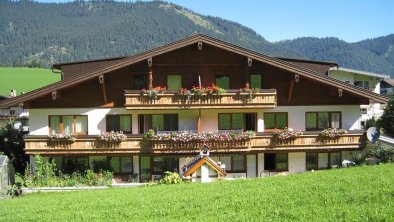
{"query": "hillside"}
pixel 47 33
pixel 25 79
pixel 353 194
pixel 360 56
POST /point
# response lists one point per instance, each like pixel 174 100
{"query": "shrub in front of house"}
pixel 46 175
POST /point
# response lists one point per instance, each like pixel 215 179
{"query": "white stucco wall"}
pixel 251 166
pixel 188 118
pixel 297 162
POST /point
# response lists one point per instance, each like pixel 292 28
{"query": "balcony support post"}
pixel 199 127
pixel 150 74
pixel 104 89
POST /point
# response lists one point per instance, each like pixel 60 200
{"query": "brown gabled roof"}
pixel 332 64
pixel 204 160
pixel 59 65
pixel 117 64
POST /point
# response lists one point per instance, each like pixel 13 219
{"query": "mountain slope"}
pixel 80 31
pixel 40 34
pixel 345 54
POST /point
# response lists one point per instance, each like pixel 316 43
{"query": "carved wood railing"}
pixel 172 100
pixel 137 144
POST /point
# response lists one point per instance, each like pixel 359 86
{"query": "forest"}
pixel 39 34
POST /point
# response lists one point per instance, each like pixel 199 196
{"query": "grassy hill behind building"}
pixel 25 79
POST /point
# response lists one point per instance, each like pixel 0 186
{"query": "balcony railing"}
pixel 265 98
pixel 137 144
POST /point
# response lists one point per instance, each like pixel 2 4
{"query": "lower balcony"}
pixel 136 144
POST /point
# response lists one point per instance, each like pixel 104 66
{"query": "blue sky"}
pixel 350 20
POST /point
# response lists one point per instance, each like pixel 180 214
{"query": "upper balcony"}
pixel 235 99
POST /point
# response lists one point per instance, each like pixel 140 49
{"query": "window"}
pixel 174 82
pixel 237 121
pixel 223 81
pixel 316 161
pixel 311 161
pixel 255 81
pixel 275 120
pixel 158 122
pixel 233 163
pixel 74 164
pixel 68 124
pixel 276 161
pixel 163 164
pixel 119 123
pixel 122 164
pixel 322 120
pixel 140 82
pixel 362 84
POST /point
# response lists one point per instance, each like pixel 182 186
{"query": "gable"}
pixel 234 53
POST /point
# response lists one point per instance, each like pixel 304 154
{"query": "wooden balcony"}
pixel 230 99
pixel 136 144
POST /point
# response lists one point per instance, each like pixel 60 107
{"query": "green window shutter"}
pixel 310 119
pixel 174 82
pixel 158 122
pixel 269 120
pixel 125 124
pixel 237 121
pixel 281 120
pixel 255 81
pixel 114 162
pixel 223 82
pixel 224 121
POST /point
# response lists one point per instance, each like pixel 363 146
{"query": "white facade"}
pixel 187 119
pixel 367 80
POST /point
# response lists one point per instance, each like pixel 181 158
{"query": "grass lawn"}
pixel 25 79
pixel 354 194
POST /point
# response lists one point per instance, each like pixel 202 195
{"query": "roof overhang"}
pixel 194 39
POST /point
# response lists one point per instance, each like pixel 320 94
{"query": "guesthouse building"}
pixel 255 114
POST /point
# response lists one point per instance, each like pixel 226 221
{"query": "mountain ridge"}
pixel 47 33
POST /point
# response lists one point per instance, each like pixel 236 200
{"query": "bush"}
pixel 382 152
pixel 101 165
pixel 170 178
pixel 45 176
pixel 387 119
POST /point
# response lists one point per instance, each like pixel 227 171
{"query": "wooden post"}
pixel 150 78
pixel 150 74
pixel 290 91
pixel 199 122
pixel 104 89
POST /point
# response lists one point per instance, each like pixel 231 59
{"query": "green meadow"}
pixel 25 79
pixel 355 194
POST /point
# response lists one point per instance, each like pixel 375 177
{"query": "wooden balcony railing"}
pixel 137 144
pixel 230 99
